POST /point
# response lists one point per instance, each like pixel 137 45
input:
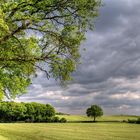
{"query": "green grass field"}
pixel 115 118
pixel 72 131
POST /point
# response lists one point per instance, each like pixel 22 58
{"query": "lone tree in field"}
pixel 94 111
pixel 41 35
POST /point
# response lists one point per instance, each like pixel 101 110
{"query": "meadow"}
pixel 72 131
pixel 113 118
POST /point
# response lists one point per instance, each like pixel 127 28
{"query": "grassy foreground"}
pixel 70 131
pixel 103 130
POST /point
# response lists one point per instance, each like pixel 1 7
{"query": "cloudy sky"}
pixel 110 71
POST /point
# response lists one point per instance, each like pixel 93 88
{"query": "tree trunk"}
pixel 94 118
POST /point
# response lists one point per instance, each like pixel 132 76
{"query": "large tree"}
pixel 41 34
pixel 94 111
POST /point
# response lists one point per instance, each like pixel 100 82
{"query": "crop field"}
pixel 69 131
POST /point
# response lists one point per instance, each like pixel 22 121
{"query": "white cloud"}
pixel 129 95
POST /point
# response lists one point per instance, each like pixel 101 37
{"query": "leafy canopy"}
pixel 32 112
pixel 41 34
pixel 94 111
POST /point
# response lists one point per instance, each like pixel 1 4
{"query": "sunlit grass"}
pixel 70 131
pixel 73 118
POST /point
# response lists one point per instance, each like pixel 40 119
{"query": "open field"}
pixel 103 130
pixel 114 118
pixel 69 131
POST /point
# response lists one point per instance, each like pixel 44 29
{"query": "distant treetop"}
pixel 94 111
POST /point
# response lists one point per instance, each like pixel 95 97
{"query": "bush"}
pixel 138 121
pixel 134 121
pixel 124 121
pixel 55 119
pixel 63 120
pixel 131 121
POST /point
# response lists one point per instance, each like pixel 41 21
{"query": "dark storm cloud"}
pixel 110 71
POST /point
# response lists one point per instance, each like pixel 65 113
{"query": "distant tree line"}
pixel 28 112
pixel 61 113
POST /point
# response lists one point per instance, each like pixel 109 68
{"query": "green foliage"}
pixel 55 119
pixel 138 121
pixel 61 113
pixel 50 111
pixel 41 34
pixel 29 112
pixel 94 111
pixel 134 121
pixel 63 120
pixel 58 120
pixel 11 111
